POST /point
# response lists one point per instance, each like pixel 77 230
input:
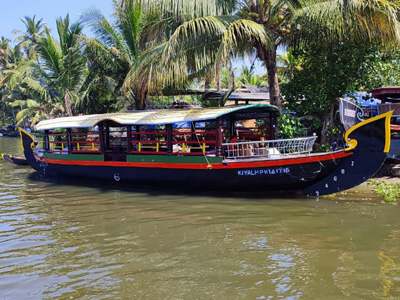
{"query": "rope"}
pixel 209 166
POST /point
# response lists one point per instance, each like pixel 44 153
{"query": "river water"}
pixel 80 240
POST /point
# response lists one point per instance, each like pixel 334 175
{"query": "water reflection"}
pixel 61 239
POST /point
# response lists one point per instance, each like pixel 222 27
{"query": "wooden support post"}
pixel 101 136
pixel 168 128
pixel 69 145
pixel 137 134
pixel 193 129
pixel 218 144
pixel 107 136
pixel 232 129
pixel 46 140
pixel 129 139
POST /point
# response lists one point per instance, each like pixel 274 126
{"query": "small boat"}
pixel 215 151
pixel 16 160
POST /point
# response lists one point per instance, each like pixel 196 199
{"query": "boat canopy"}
pixel 161 117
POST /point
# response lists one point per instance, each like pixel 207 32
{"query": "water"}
pixel 74 240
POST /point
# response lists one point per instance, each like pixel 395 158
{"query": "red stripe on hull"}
pixel 230 165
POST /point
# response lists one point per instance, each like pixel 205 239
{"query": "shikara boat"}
pixel 205 149
pixel 16 160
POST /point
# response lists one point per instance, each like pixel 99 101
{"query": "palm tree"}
pixel 288 63
pixel 32 111
pixel 4 52
pixel 29 39
pixel 122 52
pixel 10 59
pixel 62 64
pixel 53 83
pixel 211 33
pixel 9 56
pixel 249 78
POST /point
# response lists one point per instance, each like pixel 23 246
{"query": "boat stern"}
pixel 28 144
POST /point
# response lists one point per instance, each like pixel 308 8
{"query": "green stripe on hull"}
pixel 80 157
pixel 139 158
pixel 173 159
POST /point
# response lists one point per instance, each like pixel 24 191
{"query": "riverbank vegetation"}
pixel 311 53
pixel 388 190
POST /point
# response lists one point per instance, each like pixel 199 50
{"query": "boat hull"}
pixel 284 174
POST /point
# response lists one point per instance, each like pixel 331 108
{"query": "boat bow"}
pixel 369 143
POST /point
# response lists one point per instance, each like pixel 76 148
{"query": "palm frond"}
pixel 243 32
pixel 50 54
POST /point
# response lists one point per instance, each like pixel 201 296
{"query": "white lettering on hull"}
pixel 270 171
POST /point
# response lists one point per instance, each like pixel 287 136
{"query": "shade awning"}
pixel 159 117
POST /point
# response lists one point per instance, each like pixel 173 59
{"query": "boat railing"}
pixel 385 107
pixel 270 148
pixel 80 142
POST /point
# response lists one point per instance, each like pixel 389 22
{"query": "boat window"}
pixel 65 141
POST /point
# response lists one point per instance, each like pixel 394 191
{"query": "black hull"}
pixel 315 174
pixel 277 178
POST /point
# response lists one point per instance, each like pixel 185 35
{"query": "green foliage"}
pixel 249 78
pixel 380 67
pixel 289 126
pixel 322 148
pixel 389 191
pixel 156 45
pixel 287 65
pixel 260 125
pixel 327 73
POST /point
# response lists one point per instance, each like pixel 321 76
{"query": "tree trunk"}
pixel 218 77
pixel 68 106
pixel 327 120
pixel 140 101
pixel 268 56
pixel 232 72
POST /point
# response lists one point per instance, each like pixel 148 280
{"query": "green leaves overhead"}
pixel 367 21
pixel 189 9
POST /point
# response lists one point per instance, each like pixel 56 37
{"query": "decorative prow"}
pixel 369 143
pixel 28 145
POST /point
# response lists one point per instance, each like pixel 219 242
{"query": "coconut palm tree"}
pixel 53 83
pixel 32 111
pixel 210 33
pixel 10 59
pixel 287 65
pixel 29 39
pixel 120 51
pixel 62 63
pixel 249 78
pixel 4 52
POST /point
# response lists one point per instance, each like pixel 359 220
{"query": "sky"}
pixel 11 12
